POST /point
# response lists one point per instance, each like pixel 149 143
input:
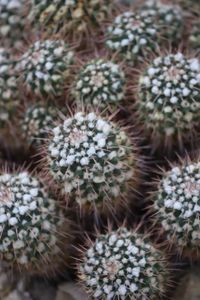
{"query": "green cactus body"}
pixel 168 17
pixel 37 123
pixel 169 97
pixel 9 96
pixel 30 223
pixel 91 159
pixel 194 38
pixel 132 36
pixel 12 22
pixel 45 67
pixel 177 206
pixel 100 83
pixel 67 15
pixel 123 265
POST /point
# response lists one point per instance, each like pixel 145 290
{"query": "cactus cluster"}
pixel 177 206
pixel 91 159
pixel 100 83
pixel 44 67
pixel 123 265
pixel 168 96
pixel 30 222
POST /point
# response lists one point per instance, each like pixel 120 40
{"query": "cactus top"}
pixel 45 67
pixel 100 83
pixel 132 35
pixel 29 220
pixel 169 96
pixel 123 265
pixel 91 158
pixel 178 205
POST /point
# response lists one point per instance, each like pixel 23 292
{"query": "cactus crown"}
pixel 37 122
pixel 91 158
pixel 178 206
pixel 123 265
pixel 29 221
pixel 100 83
pixel 132 35
pixel 45 67
pixel 169 100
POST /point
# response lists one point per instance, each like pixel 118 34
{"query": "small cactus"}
pixel 194 38
pixel 177 207
pixel 44 68
pixel 100 83
pixel 132 36
pixel 123 265
pixel 30 223
pixel 12 22
pixel 91 159
pixel 36 124
pixel 169 98
pixel 9 95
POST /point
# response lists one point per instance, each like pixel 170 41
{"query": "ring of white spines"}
pixel 9 96
pixel 132 36
pixel 45 67
pixel 30 221
pixel 177 206
pixel 123 265
pixel 37 122
pixel 12 22
pixel 100 83
pixel 91 158
pixel 169 97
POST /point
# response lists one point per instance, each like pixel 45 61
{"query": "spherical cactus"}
pixel 44 68
pixel 168 16
pixel 30 224
pixel 169 98
pixel 100 83
pixel 124 265
pixel 177 206
pixel 92 160
pixel 194 38
pixel 9 96
pixel 66 16
pixel 132 36
pixel 12 22
pixel 37 122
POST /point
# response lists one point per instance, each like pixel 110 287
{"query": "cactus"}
pixel 65 16
pixel 9 95
pixel 123 265
pixel 177 207
pixel 12 22
pixel 169 98
pixel 194 38
pixel 100 83
pixel 31 223
pixel 36 124
pixel 169 18
pixel 44 67
pixel 92 160
pixel 132 36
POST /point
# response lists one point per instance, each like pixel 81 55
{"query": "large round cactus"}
pixel 100 83
pixel 92 160
pixel 177 206
pixel 44 67
pixel 169 97
pixel 123 265
pixel 31 224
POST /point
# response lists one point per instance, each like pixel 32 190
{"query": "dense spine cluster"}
pixel 177 206
pixel 100 83
pixel 30 222
pixel 132 36
pixel 123 265
pixel 44 67
pixel 169 96
pixel 91 159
